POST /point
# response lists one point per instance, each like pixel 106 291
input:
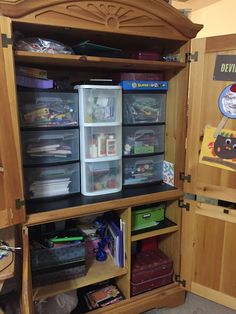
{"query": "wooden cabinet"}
pixel 132 25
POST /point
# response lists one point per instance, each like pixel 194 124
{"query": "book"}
pixel 104 296
pixel 122 228
pixel 116 243
pixel 113 244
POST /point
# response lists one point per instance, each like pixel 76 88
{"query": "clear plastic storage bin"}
pixel 50 146
pixel 142 170
pixel 102 177
pixel 48 109
pixel 102 141
pixel 100 104
pixel 50 181
pixel 143 140
pixel 143 107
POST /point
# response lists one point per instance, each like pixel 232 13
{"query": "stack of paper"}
pixel 46 188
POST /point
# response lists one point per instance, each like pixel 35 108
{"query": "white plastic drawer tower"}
pixel 100 139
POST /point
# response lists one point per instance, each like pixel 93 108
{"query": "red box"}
pixel 146 55
pixel 153 283
pixel 150 269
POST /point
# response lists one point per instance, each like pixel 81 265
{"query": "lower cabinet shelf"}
pixel 97 271
pixel 168 296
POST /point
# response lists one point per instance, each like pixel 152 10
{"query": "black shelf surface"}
pixel 73 200
pixel 162 224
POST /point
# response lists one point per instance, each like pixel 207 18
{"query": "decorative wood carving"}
pixel 152 18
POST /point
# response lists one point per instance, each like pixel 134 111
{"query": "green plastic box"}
pixel 147 217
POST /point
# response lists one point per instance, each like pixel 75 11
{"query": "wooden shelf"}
pixel 77 205
pixel 156 298
pixel 97 272
pixel 77 61
pixel 153 233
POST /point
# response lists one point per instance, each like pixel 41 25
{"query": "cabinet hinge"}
pixel 19 203
pixel 189 57
pixel 181 204
pixel 179 280
pixel 184 177
pixel 6 41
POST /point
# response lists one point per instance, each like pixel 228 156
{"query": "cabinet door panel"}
pixel 203 110
pixel 10 169
pixel 208 251
pixel 228 281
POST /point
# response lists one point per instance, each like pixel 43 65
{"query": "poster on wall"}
pixel 219 144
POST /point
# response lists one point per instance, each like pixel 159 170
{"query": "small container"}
pixel 148 139
pixel 142 170
pixel 101 177
pixel 50 146
pixel 95 146
pixel 101 145
pixel 111 146
pixel 93 149
pixel 100 104
pixel 48 109
pixel 51 181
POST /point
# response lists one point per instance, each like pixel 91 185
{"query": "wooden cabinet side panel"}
pixel 176 113
pixel 204 92
pixel 171 243
pixel 26 300
pixel 10 176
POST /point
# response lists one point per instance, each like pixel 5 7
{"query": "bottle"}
pixel 111 146
pixel 93 150
pixel 101 145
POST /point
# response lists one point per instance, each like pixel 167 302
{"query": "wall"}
pixel 217 16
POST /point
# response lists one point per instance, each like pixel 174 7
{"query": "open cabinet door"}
pixel 208 246
pixel 11 192
pixel 209 252
pixel 204 92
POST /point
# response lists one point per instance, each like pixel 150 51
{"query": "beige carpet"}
pixel 195 305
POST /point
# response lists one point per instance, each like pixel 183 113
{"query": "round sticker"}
pixel 227 102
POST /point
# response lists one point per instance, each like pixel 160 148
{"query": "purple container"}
pixel 33 82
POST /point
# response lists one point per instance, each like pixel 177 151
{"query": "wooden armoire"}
pixel 201 241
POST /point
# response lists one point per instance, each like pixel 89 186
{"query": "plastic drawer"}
pixel 143 140
pixel 50 146
pixel 48 109
pixel 102 141
pixel 100 104
pixel 143 107
pixel 102 177
pixel 142 170
pixel 50 181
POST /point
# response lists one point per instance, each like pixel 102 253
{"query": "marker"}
pixel 66 239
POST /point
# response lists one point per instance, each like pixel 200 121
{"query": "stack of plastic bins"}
pixel 100 139
pixel 50 143
pixel 143 131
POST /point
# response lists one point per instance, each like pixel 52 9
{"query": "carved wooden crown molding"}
pixel 122 16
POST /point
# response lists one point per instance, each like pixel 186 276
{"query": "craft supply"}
pixel 111 146
pixel 101 145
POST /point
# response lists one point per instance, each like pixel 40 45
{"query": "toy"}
pixel 101 255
